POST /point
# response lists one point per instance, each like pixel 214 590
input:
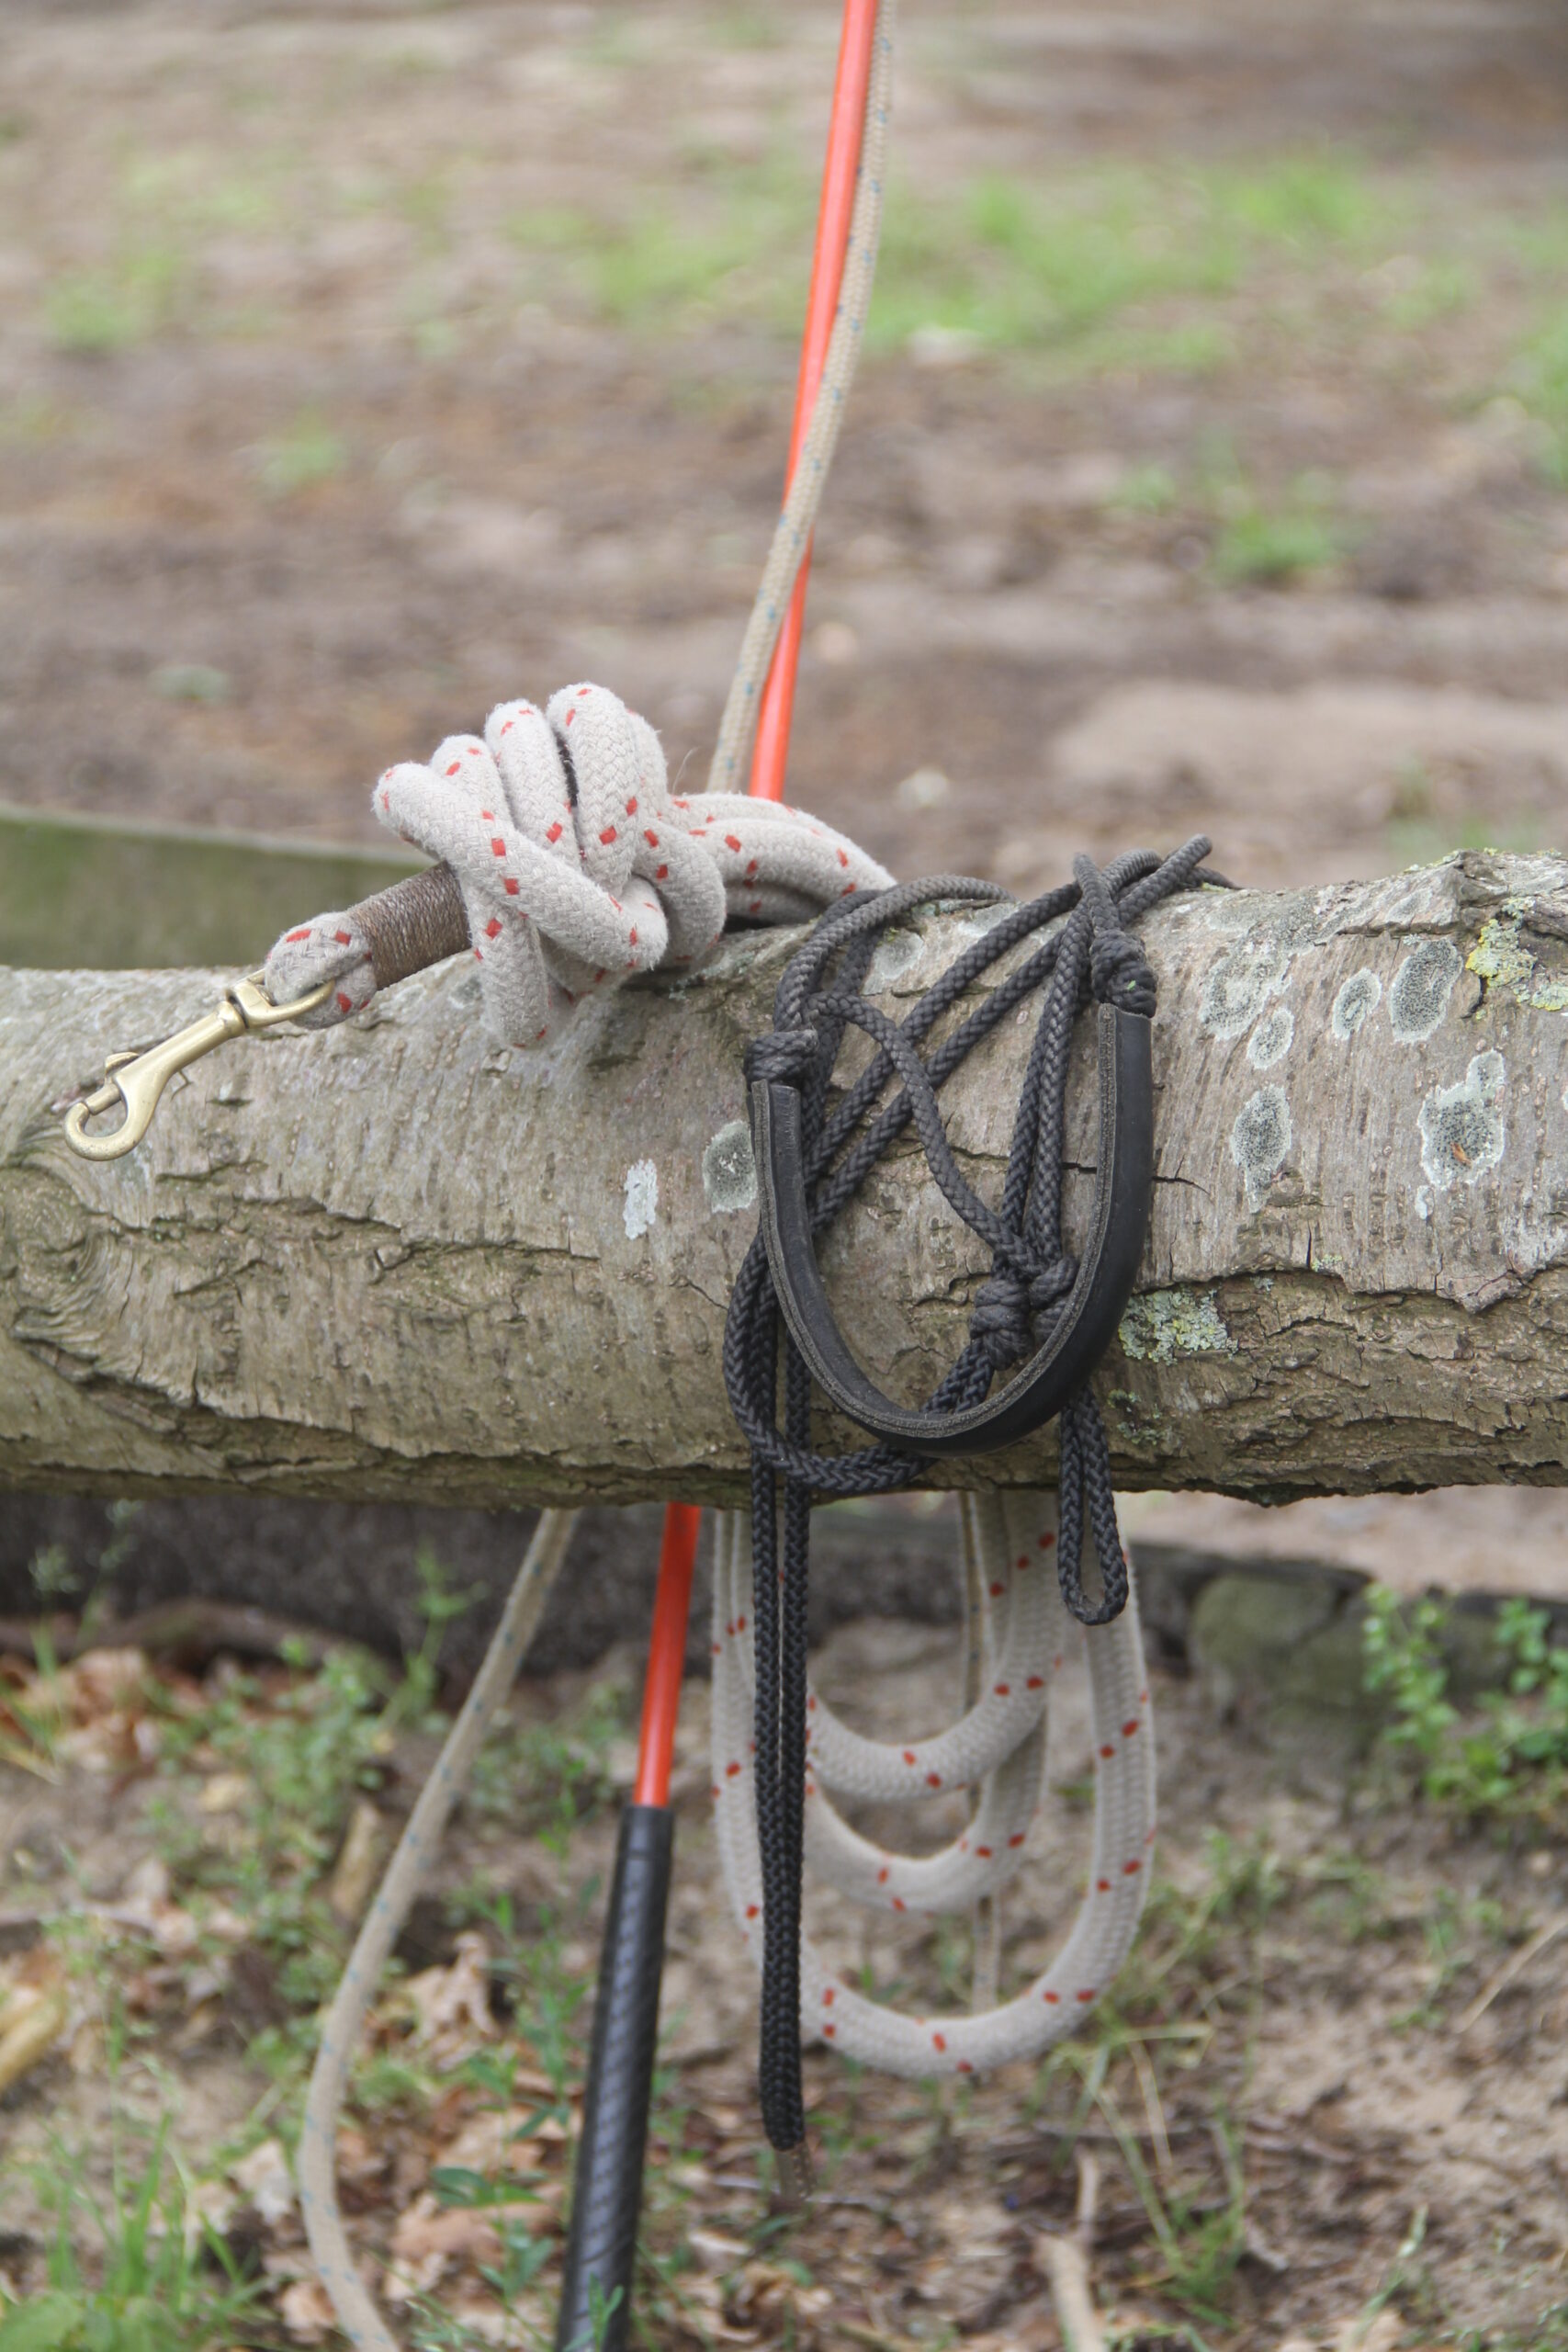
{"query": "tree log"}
pixel 394 1261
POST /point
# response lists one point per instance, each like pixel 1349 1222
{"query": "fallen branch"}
pixel 393 1261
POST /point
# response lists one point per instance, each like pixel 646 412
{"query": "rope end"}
pixel 795 2176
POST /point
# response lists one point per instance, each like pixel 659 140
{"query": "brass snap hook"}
pixel 138 1079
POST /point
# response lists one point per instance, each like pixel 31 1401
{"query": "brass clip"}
pixel 138 1080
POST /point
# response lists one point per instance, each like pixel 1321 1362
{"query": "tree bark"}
pixel 394 1262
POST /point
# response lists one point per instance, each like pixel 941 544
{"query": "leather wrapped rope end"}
pixel 795 2178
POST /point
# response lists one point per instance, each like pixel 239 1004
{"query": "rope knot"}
pixel 784 1055
pixel 1007 1305
pixel 1120 975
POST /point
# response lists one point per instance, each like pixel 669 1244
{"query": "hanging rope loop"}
pixel 1039 1300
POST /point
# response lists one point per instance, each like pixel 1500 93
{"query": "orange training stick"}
pixel 771 752
pixel 667 1645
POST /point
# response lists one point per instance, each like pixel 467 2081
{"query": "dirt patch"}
pixel 1325 2088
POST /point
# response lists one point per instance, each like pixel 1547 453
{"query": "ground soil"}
pixel 324 424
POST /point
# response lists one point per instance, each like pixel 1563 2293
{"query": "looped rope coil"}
pixel 1086 952
pixel 576 865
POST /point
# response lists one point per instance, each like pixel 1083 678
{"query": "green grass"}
pixel 1505 1756
pixel 1542 381
pixel 307 453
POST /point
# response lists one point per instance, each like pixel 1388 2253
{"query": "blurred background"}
pixel 363 364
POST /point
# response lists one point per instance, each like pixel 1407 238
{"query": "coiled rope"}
pixel 1089 955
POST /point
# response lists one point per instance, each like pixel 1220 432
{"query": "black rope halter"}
pixel 1039 1306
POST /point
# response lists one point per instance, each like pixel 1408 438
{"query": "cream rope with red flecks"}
pixel 997 1747
pixel 577 863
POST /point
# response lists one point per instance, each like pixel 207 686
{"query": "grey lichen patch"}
pixel 1422 987
pixel 1260 1139
pixel 1462 1126
pixel 1358 998
pixel 729 1171
pixel 1164 1324
pixel 898 951
pixel 641 1206
pixel 1270 1041
pixel 1239 984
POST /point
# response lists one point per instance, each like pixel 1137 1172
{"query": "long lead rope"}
pixel 1089 955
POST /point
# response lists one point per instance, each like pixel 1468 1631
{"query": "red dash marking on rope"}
pixel 386 800
pixel 498 847
pixel 650 837
pixel 750 869
pixel 719 1646
pixel 1052 1997
pixel 1045 1541
pixel 570 716
pixel 882 1875
pixel 1017 1837
pixel 477 957
pixel 1102 1886
pixel 345 1003
pixel 898 1902
pixel 680 804
pixel 608 835
pixel 598 976
pixel 544 1033
pixel 740 1624
pixel 756 906
pixel 934 1780
pixel 1023 1559
pixel 1130 1726
pixel 583 692
pixel 997 1590
pixel 1130 1870
pixel 507 726
pixel 908 1756
pixel 1036 1682
pixel 632 941
pixel 731 1771
pixel 829 2032
pixel 1089 1995
pixel 492 928
pixel 631 806
pixel 661 874
pixel 513 886
pixel 938 2041
pixel 554 833
pixel 1108 1751
pixel 1142 1697
pixel 848 891
pixel 984 1852
pixel 830 1994
pixel 811 1701
pixel 965 2067
pixel 843 857
pixel 1004 1689
pixel 301 934
pixel 452 769
pixel 752 1909
pixel 486 816
pixel 730 842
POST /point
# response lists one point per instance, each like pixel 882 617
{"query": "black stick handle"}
pixel 607 2197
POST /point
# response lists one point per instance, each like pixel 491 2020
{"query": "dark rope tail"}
pixel 1090 956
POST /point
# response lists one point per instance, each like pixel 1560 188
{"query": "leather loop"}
pixel 1079 1331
